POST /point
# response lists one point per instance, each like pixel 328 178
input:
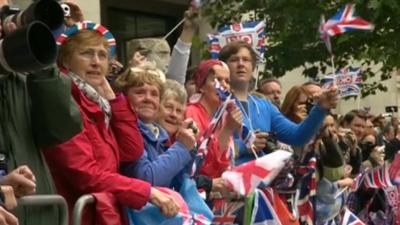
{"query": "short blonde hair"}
pixel 139 76
pixel 174 90
pixel 82 38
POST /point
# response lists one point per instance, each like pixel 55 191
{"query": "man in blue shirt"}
pixel 260 115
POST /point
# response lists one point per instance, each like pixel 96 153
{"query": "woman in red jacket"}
pixel 89 162
pixel 202 110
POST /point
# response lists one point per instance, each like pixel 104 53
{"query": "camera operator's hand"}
pixel 6 218
pixel 105 90
pixel 165 202
pixel 22 180
pixel 186 135
pixel 8 28
pixel 329 98
pixel 9 201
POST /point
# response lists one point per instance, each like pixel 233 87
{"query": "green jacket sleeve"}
pixel 55 114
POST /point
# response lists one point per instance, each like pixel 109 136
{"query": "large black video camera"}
pixel 31 46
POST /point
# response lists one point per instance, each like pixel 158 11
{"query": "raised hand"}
pixel 234 118
pixel 105 90
pixel 186 135
pixel 329 98
pixel 260 142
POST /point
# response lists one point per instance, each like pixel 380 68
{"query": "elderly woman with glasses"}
pixel 89 162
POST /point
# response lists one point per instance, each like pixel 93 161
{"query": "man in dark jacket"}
pixel 28 121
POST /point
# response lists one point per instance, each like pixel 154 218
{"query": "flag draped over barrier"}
pixel 246 177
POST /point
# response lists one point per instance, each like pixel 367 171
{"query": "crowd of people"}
pixel 82 128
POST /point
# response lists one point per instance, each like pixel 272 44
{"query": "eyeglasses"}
pixel 90 54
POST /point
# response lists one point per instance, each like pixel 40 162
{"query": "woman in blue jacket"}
pixel 159 164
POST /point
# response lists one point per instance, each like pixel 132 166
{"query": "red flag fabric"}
pixel 246 177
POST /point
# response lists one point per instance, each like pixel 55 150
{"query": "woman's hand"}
pixel 165 202
pixel 186 135
pixel 105 90
pixel 234 118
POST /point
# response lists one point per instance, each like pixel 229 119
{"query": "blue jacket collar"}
pixel 146 132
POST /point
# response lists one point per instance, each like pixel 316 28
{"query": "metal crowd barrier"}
pixel 42 200
pixel 80 205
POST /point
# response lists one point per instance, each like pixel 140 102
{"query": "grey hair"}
pixel 174 90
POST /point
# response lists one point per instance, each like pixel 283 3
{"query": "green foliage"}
pixel 293 38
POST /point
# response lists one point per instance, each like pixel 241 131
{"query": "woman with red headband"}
pixel 202 110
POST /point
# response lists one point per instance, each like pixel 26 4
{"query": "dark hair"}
pixel 190 73
pixel 387 128
pixel 349 117
pixel 233 48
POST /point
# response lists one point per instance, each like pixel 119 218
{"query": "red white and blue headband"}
pixel 88 25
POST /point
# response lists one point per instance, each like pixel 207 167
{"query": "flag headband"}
pixel 88 25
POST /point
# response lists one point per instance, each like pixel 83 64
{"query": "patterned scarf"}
pixel 92 94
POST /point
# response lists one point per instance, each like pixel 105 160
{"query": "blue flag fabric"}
pixel 263 212
pixel 193 209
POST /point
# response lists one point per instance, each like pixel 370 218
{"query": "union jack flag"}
pixel 247 135
pixel 307 192
pixel 394 170
pixel 350 219
pixel 214 46
pixel 225 213
pixel 263 212
pixel 250 32
pixel 208 134
pixel 378 177
pixel 358 180
pixel 344 21
pixel 247 176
